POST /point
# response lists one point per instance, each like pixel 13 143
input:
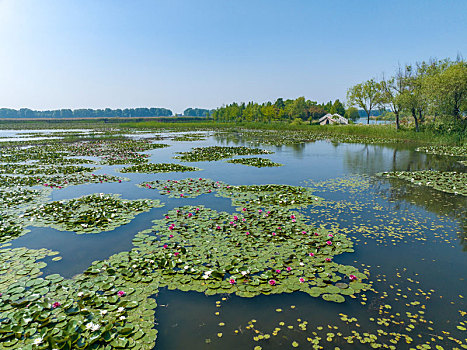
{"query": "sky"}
pixel 205 53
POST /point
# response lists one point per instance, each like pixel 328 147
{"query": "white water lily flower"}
pixel 27 320
pixel 244 273
pixel 37 341
pixel 103 312
pixel 80 294
pixel 93 326
pixel 122 318
pixel 121 309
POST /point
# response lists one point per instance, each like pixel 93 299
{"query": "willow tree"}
pixel 366 95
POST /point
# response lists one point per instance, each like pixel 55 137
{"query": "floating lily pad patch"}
pixel 214 153
pixel 190 137
pixel 284 196
pixel 58 181
pixel 158 168
pixel 34 169
pixel 188 188
pixel 255 162
pixel 446 181
pixel 113 152
pixel 10 227
pixel 444 150
pixel 14 197
pixel 88 214
pixel 248 254
pixel 98 309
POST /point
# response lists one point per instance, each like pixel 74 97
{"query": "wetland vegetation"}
pixel 312 247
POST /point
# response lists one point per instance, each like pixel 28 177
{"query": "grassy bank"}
pixel 366 132
pixel 383 132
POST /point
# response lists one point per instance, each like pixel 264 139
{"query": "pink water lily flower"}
pixel 272 282
pixel 244 209
pixel 289 268
pixel 273 233
pixel 301 279
pixel 352 277
pixel 311 254
pixel 176 253
pixel 303 232
pixel 190 215
pixel 247 233
pixel 235 217
pixel 328 242
pixel 232 281
pixel 328 259
pixel 330 235
pixel 171 236
pixel 278 271
pixel 56 304
pixel 121 293
pixel 165 246
pixel 218 227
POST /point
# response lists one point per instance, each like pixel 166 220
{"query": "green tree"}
pixel 448 89
pixel 338 108
pixel 352 113
pixel 366 96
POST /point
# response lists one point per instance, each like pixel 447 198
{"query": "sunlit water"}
pixel 187 320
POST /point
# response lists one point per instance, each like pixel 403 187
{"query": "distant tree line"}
pixel 86 113
pixel 197 112
pixel 435 89
pixel 288 110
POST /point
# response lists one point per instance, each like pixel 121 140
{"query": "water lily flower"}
pixel 301 279
pixel 272 282
pixel 244 209
pixel 167 217
pixel 218 227
pixel 103 312
pixel 171 236
pixel 38 341
pixel 190 215
pixel 121 293
pixel 292 216
pixel 235 217
pixel 232 281
pixel 247 233
pixel 260 211
pixel 93 326
pixel 121 318
pixel 278 271
pixel 328 242
pixel 311 254
pixel 273 233
pixel 121 309
pixel 330 235
pixel 316 234
pixel 352 277
pixel 176 253
pixel 55 305
pixel 328 259
pixel 165 246
pixel 289 268
pixel 303 232
pixel 244 273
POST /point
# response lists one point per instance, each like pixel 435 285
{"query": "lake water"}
pixel 411 240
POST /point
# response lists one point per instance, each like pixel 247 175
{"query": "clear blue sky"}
pixel 205 53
